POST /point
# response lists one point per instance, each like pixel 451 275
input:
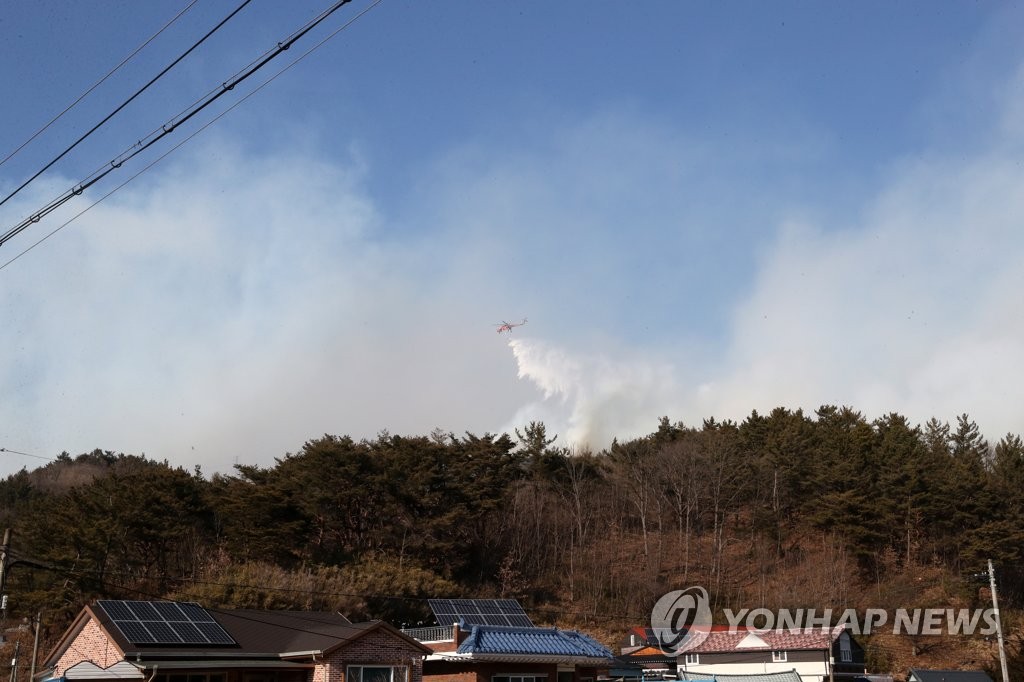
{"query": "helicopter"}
pixel 507 326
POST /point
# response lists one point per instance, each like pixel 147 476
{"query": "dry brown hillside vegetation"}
pixel 784 510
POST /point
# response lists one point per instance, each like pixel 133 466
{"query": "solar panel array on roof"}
pixel 479 612
pixel 164 623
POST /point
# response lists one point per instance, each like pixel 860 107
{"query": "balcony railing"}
pixel 438 633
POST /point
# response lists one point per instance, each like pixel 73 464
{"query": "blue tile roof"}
pixel 489 639
pixel 781 676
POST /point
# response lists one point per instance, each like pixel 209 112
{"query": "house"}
pixel 638 638
pixel 163 641
pixel 921 675
pixel 784 676
pixel 494 641
pixel 493 653
pixel 621 670
pixel 640 648
pixel 814 653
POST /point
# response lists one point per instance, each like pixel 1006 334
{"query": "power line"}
pixel 19 558
pixel 123 105
pixel 606 617
pixel 116 163
pixel 26 454
pixel 98 83
pixel 72 572
pixel 169 127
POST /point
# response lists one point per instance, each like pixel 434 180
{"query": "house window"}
pixel 376 673
pixel 520 678
pixel 845 655
pixel 692 659
pixel 779 657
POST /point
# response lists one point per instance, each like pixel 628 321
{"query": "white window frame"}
pixel 399 673
pixel 780 656
pixel 692 659
pixel 845 655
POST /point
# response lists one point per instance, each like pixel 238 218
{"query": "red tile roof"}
pixel 723 640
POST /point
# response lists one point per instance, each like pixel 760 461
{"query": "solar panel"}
pixel 143 610
pixel 162 632
pixel 117 610
pixel 187 631
pixel 479 612
pixel 134 631
pixel 195 613
pixel 170 612
pixel 215 633
pixel 164 623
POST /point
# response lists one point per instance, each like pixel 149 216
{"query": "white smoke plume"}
pixel 590 399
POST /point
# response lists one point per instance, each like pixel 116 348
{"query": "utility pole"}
pixel 5 549
pixel 35 648
pixel 999 626
pixel 831 656
pixel 14 661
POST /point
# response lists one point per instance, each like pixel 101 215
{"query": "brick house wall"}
pixel 379 647
pixel 466 676
pixel 91 644
pixel 376 648
pixel 478 671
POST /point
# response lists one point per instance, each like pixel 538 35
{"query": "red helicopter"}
pixel 507 326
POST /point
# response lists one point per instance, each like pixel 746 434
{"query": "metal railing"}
pixel 437 633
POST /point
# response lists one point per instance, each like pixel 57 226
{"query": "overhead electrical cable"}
pixel 98 83
pixel 169 127
pixel 76 573
pixel 117 160
pixel 127 101
pixel 26 454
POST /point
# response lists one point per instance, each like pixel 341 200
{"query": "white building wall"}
pixel 809 671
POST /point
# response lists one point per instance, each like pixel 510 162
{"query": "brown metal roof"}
pixel 280 632
pixel 260 634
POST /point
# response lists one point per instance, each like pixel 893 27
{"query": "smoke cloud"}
pixel 591 399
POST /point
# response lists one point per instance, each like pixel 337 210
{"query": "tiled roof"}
pixel 720 641
pixel 949 675
pixel 783 676
pixel 648 652
pixel 488 639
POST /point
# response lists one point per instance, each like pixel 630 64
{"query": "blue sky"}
pixel 703 208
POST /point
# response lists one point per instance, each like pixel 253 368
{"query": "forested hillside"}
pixel 782 510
